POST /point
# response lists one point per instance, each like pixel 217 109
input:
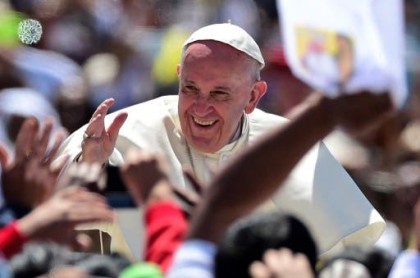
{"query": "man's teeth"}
pixel 205 123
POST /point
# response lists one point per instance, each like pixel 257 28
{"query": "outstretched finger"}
pixel 44 138
pixel 25 139
pixel 96 124
pixel 258 270
pixel 197 186
pixel 116 125
pixel 103 107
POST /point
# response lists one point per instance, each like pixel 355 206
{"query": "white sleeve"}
pixel 407 265
pixel 194 258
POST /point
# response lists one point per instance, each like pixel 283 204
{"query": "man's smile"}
pixel 203 123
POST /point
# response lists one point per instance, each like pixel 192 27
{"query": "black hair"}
pixel 247 240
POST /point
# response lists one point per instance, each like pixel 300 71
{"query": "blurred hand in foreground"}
pixel 29 179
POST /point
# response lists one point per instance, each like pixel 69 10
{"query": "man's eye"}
pixel 220 95
pixel 190 90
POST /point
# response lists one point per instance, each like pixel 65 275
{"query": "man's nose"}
pixel 202 105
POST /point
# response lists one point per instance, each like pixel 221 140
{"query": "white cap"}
pixel 229 34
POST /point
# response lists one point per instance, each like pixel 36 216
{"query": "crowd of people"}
pixel 239 169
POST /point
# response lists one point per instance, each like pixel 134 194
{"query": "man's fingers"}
pixel 69 191
pixel 79 200
pixel 26 138
pixel 103 107
pixel 96 124
pixel 259 270
pixel 90 213
pixel 277 260
pixel 116 125
pixel 41 144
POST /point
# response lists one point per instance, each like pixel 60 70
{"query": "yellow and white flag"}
pixel 346 46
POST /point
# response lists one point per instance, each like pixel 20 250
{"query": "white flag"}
pixel 345 46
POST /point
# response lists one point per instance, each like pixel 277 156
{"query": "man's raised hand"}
pixel 99 142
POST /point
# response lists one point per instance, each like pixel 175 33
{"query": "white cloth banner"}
pixel 346 46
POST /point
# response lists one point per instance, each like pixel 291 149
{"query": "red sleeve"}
pixel 11 240
pixel 165 229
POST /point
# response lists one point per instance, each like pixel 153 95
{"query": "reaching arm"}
pixel 146 177
pixel 257 172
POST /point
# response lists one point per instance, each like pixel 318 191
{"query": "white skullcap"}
pixel 229 34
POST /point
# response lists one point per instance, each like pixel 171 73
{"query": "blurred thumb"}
pixel 81 242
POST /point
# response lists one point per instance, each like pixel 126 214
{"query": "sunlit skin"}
pixel 217 85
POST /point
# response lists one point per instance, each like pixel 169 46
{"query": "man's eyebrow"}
pixel 221 88
pixel 217 88
pixel 189 82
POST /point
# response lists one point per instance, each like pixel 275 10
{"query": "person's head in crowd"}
pixel 18 104
pixel 248 239
pixel 53 75
pixel 72 103
pixel 358 262
pixel 46 258
pixel 219 78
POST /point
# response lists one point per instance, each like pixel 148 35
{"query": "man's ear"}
pixel 259 89
pixel 178 69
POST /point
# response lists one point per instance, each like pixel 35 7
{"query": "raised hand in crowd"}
pixel 29 179
pixel 56 219
pixel 281 263
pixel 146 176
pixel 362 112
pixel 98 141
pixel 357 113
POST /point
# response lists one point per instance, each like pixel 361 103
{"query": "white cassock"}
pixel 319 190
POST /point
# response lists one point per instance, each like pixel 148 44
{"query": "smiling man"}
pixel 218 84
pixel 211 120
